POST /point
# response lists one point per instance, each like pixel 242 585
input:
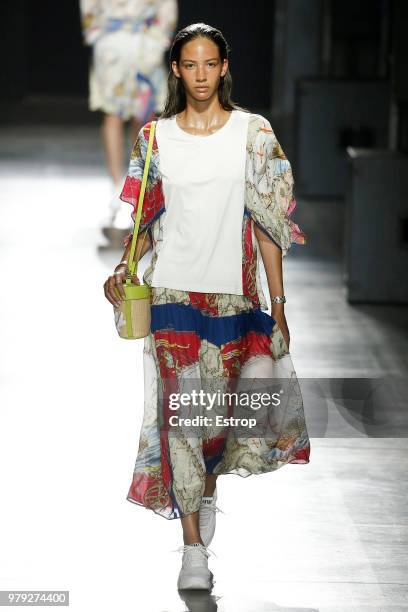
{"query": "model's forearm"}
pixel 125 256
pixel 272 260
pixel 140 250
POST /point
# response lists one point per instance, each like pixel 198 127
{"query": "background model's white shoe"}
pixel 207 513
pixel 119 219
pixel 194 573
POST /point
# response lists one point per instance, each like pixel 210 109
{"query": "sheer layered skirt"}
pixel 218 347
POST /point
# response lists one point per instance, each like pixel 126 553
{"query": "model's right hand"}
pixel 116 280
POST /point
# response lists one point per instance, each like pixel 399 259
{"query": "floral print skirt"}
pixel 211 341
pixel 128 77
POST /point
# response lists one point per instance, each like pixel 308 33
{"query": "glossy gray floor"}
pixel 330 535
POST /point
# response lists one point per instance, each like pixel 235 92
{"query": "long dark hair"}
pixel 176 97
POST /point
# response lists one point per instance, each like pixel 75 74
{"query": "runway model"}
pixel 127 77
pixel 219 197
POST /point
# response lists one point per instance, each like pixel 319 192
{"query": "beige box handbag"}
pixel 133 316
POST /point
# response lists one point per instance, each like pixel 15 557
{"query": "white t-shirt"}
pixel 203 179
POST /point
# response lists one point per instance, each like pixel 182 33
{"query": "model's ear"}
pixel 175 69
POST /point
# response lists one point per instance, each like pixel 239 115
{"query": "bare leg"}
pixel 210 482
pixel 191 531
pixel 113 140
pixel 190 523
pixel 112 135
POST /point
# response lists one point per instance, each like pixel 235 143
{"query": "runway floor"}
pixel 328 536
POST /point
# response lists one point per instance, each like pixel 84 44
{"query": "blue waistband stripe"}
pixel 216 329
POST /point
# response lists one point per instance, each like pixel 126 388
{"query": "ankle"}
pixel 190 541
pixel 209 491
pixel 209 488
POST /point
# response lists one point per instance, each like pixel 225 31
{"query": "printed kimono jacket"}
pixel 269 200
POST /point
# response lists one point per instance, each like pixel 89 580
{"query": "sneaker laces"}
pixel 212 507
pixel 204 550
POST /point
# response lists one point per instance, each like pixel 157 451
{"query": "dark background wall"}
pixel 46 56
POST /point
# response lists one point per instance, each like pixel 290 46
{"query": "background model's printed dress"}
pixel 215 337
pixel 128 77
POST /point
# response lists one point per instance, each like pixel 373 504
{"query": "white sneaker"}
pixel 119 217
pixel 207 518
pixel 122 219
pixel 194 573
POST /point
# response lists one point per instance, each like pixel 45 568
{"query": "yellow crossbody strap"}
pixel 132 263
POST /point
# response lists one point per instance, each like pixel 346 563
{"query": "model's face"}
pixel 200 66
